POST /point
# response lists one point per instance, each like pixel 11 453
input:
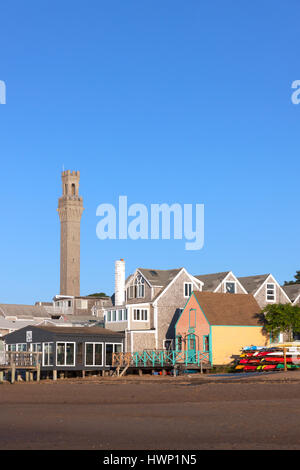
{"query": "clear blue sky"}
pixel 162 101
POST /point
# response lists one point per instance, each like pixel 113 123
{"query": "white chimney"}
pixel 119 282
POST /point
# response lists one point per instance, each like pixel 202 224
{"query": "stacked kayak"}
pixel 264 359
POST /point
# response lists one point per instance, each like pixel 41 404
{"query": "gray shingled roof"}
pixel 211 281
pixel 23 311
pixel 292 291
pixel 158 277
pixel 86 330
pixel 253 283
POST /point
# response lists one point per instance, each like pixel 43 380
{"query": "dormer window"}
pixel 271 292
pixel 230 287
pixel 188 287
pixel 137 290
pixel 140 287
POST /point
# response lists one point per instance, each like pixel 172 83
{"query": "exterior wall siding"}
pixel 168 309
pixel 227 341
pixel 201 326
pixel 230 278
pixel 141 341
pixel 261 296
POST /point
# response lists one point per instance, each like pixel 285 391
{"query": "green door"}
pixel 191 349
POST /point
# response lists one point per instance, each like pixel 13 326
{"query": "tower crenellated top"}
pixel 70 183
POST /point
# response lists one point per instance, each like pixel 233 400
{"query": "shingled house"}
pixel 293 292
pixel 221 283
pixel 147 305
pixel 265 289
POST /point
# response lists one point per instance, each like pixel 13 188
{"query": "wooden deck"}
pixel 161 360
pixel 15 362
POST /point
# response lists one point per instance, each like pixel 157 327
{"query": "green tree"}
pixel 282 318
pixel 297 280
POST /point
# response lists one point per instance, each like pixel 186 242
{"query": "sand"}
pixel 161 413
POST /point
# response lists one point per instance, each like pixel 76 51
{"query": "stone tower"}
pixel 70 208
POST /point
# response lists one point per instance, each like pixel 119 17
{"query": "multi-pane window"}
pixel 111 348
pixel 137 289
pixel 140 287
pixel 116 315
pixel 65 354
pixel 36 347
pixel 22 347
pixel 48 355
pixel 230 287
pixel 206 343
pixel 140 314
pixel 271 292
pixel 93 354
pixel 188 287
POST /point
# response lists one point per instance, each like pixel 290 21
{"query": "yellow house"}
pixel 220 324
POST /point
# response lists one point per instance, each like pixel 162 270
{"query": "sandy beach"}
pixel 199 412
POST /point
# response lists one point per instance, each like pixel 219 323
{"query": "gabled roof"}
pixel 229 309
pixel 211 281
pixel 159 277
pixel 292 291
pixel 23 311
pixel 253 283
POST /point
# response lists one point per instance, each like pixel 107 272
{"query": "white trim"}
pixel 225 280
pixel 273 281
pixel 155 324
pixel 274 290
pixel 296 299
pixel 43 354
pixel 182 270
pixel 108 365
pixel 93 343
pixel 143 276
pixel 137 305
pixel 189 295
pixel 65 342
pixel 144 321
pixel 230 282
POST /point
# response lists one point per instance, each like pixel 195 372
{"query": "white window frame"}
pixel 114 344
pixel 141 310
pixel 190 284
pixel 65 342
pixel 274 290
pixel 229 282
pixel 43 354
pixel 103 352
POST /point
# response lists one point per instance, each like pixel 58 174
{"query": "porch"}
pixel 161 360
